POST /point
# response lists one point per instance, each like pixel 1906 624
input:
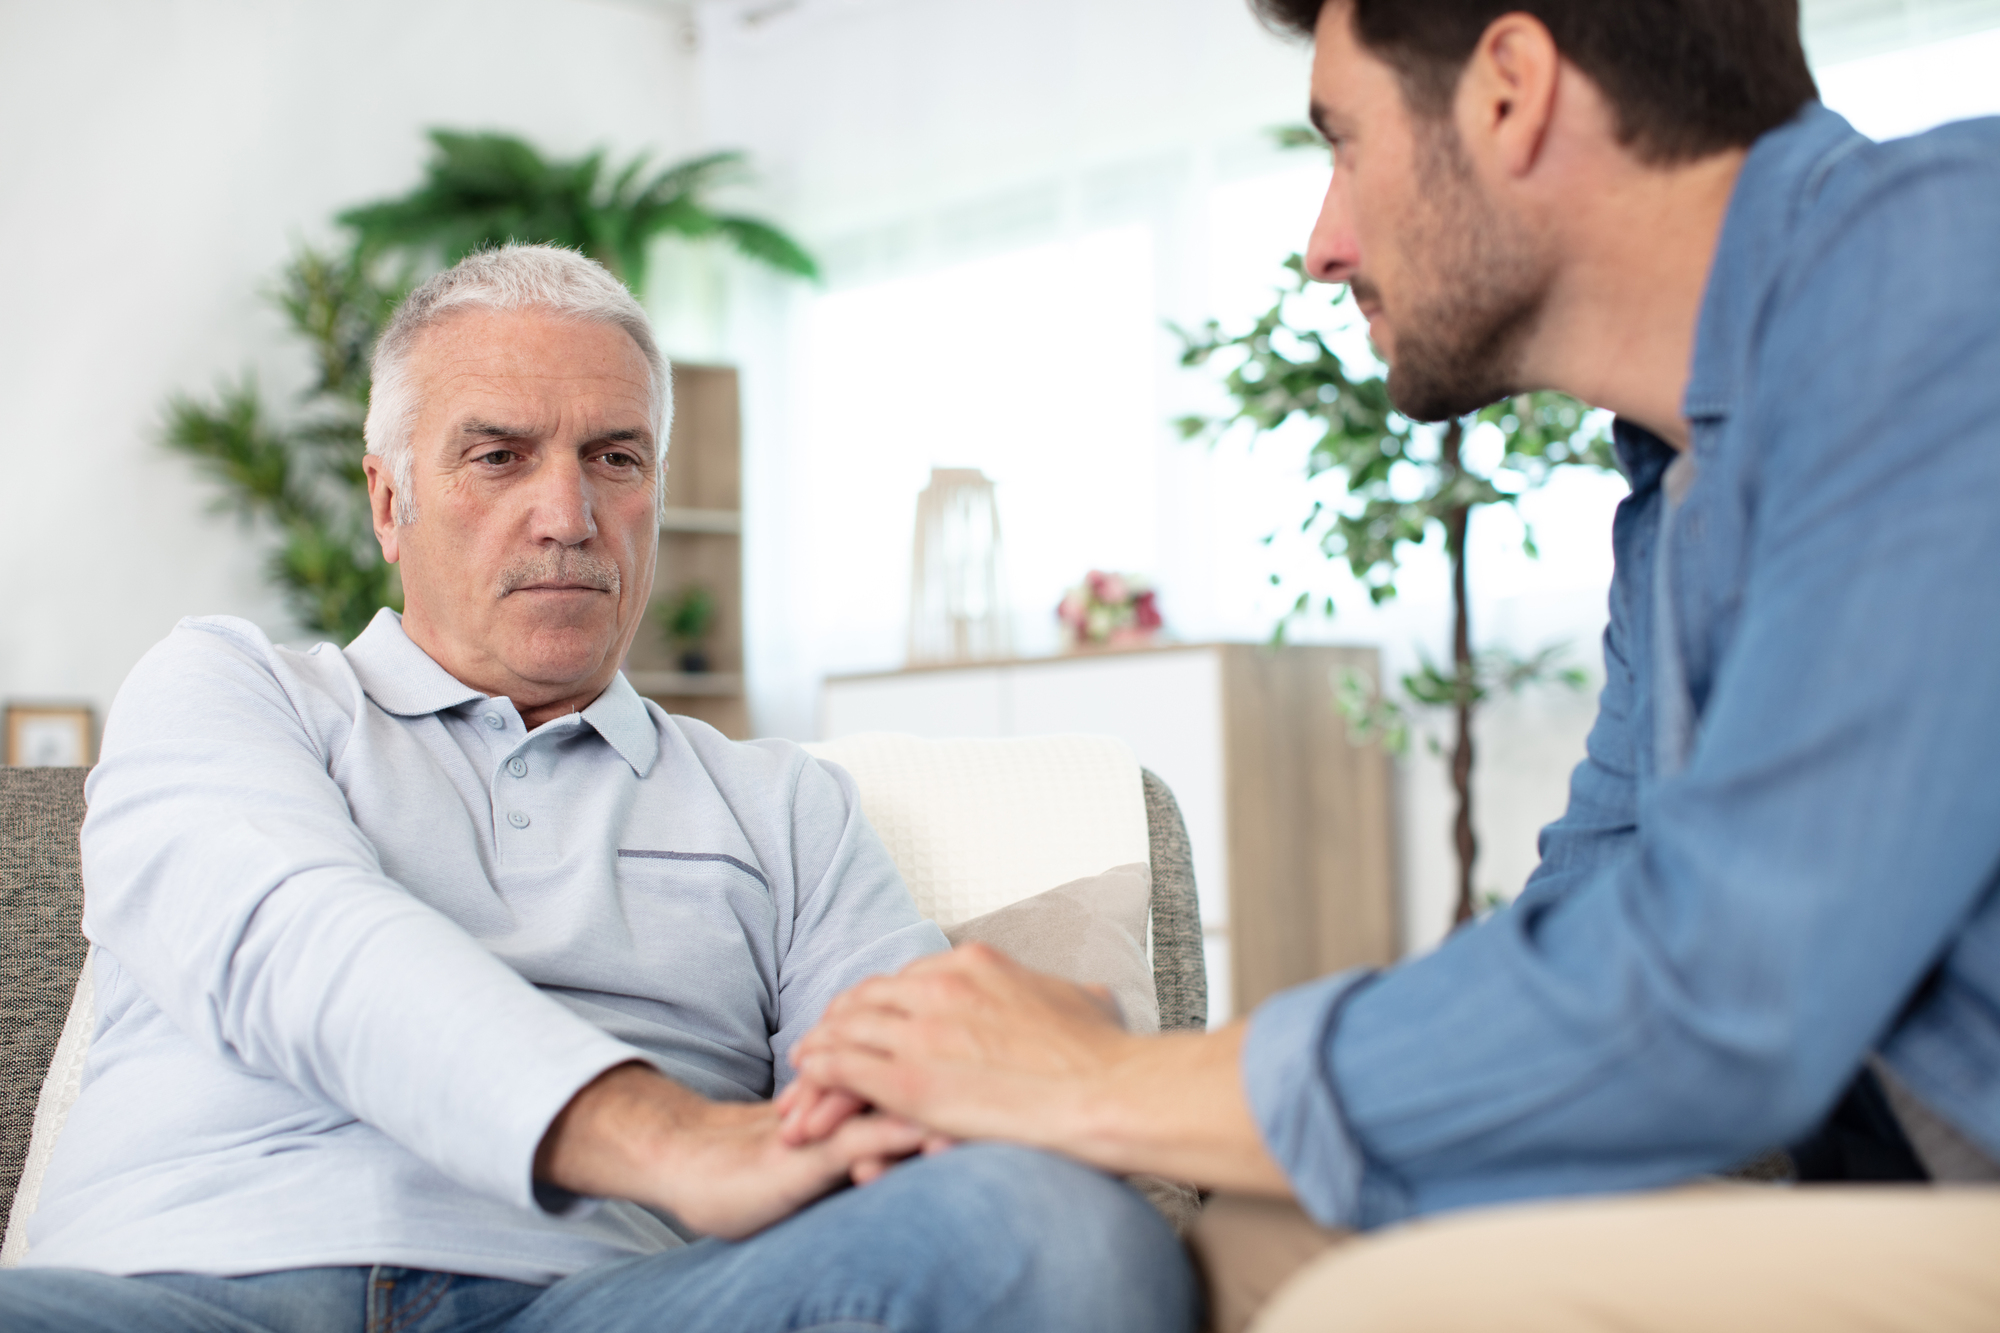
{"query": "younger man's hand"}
pixel 808 1112
pixel 970 1044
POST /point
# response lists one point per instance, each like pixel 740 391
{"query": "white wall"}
pixel 159 160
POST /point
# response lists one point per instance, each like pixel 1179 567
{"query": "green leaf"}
pixel 486 189
pixel 761 241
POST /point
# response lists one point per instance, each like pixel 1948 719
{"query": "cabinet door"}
pixel 1167 707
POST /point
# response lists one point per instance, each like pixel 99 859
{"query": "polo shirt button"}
pixel 495 721
pixel 518 819
pixel 518 766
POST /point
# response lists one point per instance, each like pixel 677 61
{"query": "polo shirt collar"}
pixel 1781 174
pixel 405 680
pixel 620 716
pixel 401 677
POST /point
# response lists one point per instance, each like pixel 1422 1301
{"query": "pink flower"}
pixel 1114 591
pixel 1146 611
pixel 1074 606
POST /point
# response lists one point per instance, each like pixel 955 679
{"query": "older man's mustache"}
pixel 567 565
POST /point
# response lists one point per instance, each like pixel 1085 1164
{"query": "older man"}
pixel 442 979
pixel 1771 914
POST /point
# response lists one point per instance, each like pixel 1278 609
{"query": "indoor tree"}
pixel 1367 455
pixel 302 474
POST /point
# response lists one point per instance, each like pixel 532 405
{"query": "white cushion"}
pixel 975 825
pixel 59 1089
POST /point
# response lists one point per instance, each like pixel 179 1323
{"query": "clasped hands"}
pixel 967 1044
pixel 972 1045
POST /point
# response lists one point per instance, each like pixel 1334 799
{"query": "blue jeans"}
pixel 986 1237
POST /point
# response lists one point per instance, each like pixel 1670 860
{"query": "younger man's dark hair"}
pixel 1685 77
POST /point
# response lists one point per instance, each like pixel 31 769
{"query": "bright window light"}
pixel 1908 91
pixel 1040 368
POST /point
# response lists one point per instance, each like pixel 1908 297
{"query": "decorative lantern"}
pixel 958 607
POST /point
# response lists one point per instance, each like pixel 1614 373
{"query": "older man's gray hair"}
pixel 510 277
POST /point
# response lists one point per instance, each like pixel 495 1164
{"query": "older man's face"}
pixel 527 569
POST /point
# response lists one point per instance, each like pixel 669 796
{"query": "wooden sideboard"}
pixel 1291 823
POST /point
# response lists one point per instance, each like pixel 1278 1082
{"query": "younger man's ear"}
pixel 1507 94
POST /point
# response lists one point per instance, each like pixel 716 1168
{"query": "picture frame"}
pixel 50 735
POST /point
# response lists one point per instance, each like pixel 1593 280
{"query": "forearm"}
pixel 1174 1106
pixel 615 1138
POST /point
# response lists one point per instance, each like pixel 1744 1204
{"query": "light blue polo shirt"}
pixel 361 935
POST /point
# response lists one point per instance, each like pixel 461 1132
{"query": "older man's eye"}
pixel 497 457
pixel 617 458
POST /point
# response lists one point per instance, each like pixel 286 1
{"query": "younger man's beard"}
pixel 1478 295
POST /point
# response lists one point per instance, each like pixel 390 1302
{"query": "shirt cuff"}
pixel 1287 1077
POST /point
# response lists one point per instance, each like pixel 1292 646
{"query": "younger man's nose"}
pixel 1332 254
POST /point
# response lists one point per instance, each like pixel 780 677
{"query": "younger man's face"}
pixel 1448 282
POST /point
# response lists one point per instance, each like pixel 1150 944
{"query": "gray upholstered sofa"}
pixel 42 952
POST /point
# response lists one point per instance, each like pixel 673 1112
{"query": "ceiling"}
pixel 1835 30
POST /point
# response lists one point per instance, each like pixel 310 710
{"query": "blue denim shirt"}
pixel 1782 851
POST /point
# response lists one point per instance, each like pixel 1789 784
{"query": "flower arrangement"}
pixel 1109 610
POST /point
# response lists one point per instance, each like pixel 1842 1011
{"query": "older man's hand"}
pixel 972 1045
pixel 721 1167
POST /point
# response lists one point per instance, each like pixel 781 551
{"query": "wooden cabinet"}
pixel 1290 822
pixel 701 545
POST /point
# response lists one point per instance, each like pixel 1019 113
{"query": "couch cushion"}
pixel 41 902
pixel 975 824
pixel 1090 931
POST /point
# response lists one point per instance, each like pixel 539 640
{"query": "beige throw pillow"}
pixel 1090 931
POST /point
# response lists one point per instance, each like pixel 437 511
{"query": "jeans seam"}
pixel 427 1299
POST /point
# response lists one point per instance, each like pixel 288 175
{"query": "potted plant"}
pixel 687 618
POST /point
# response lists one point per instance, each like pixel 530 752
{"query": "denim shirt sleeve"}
pixel 1296 1106
pixel 1702 982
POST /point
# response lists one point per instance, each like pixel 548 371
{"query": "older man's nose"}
pixel 1332 254
pixel 562 504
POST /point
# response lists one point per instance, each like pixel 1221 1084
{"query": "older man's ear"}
pixel 382 505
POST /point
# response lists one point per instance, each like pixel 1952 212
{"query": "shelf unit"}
pixel 701 544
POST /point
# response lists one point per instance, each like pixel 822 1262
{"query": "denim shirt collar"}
pixel 1782 172
pixel 405 680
